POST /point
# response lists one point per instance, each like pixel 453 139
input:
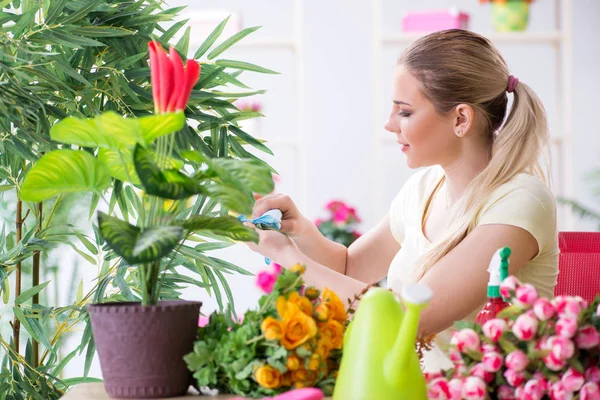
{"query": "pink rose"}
pixel 525 327
pixel 533 390
pixel 276 268
pixel 592 374
pixel 517 361
pixel 492 361
pixel 543 309
pixel 542 382
pixel 568 306
pixel 203 321
pixel 480 371
pixel 553 363
pixel 341 215
pixel 456 357
pixel 334 205
pixel 486 347
pixel 465 339
pixel 494 328
pixel 266 281
pixel 514 378
pixel 561 347
pixel 438 389
pixel 587 337
pixel 508 286
pixel 505 392
pixel 566 327
pixel 474 388
pixel 572 380
pixel 526 295
pixel 558 392
pixel 460 371
pixel 432 375
pixel 456 386
pixel 589 391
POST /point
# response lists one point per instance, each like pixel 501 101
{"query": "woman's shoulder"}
pixel 526 187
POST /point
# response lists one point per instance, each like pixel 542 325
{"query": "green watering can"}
pixel 380 361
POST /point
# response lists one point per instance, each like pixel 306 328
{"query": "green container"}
pixel 510 16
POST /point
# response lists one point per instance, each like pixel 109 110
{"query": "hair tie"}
pixel 512 83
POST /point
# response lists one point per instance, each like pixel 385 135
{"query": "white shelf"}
pixel 496 37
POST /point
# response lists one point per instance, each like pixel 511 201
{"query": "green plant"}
pixel 581 210
pixel 84 58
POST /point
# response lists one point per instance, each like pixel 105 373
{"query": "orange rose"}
pixel 272 328
pixel 303 303
pixel 286 379
pixel 322 312
pixel 281 305
pixel 268 377
pixel 293 362
pixel 334 331
pixel 323 346
pixel 314 363
pixel 299 268
pixel 312 292
pixel 303 378
pixel 335 305
pixel 298 327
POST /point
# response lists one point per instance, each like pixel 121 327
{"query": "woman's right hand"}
pixel 293 223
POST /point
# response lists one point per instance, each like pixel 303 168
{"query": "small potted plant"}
pixel 509 15
pixel 141 345
pixel 340 226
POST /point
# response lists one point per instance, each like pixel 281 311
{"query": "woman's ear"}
pixel 464 118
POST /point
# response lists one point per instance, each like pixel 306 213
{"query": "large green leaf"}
pixel 251 140
pixel 155 126
pixel 108 130
pixel 250 175
pixel 223 226
pixel 244 66
pixel 231 41
pixel 29 293
pixel 117 163
pixel 169 184
pixel 231 197
pixel 137 246
pixel 214 35
pixel 64 171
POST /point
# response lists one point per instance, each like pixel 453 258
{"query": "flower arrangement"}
pixel 535 349
pixel 341 224
pixel 293 340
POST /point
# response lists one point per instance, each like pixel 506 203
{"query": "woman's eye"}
pixel 404 114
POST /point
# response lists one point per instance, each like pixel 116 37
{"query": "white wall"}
pixel 338 119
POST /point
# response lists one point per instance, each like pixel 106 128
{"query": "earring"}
pixel 459 133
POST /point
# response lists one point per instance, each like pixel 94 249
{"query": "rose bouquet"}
pixel 293 340
pixel 340 226
pixel 535 349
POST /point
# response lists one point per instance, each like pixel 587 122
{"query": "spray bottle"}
pixel 498 270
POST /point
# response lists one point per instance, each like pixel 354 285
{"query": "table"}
pixel 95 391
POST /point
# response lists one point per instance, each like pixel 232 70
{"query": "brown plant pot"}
pixel 141 349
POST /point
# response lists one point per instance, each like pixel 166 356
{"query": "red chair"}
pixel 579 265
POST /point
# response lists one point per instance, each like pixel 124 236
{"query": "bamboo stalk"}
pixel 19 226
pixel 36 281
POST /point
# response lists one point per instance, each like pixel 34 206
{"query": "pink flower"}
pixel 460 370
pixel 341 215
pixel 456 357
pixel 561 348
pixel 474 388
pixel 566 327
pixel 486 347
pixel 526 295
pixel 592 374
pixel 334 205
pixel 517 361
pixel 572 380
pixel 277 268
pixel 514 378
pixel 492 361
pixel 543 383
pixel 466 339
pixel 256 107
pixel 569 306
pixel 543 309
pixel 266 281
pixel 356 234
pixel 553 363
pixel 203 321
pixel 172 84
pixel 558 392
pixel 505 392
pixel 430 376
pixel 438 389
pixel 590 391
pixel 481 372
pixel 456 385
pixel 525 327
pixel 508 286
pixel 533 390
pixel 318 222
pixel 587 337
pixel 494 328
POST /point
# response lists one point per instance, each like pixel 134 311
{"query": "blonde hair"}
pixel 461 67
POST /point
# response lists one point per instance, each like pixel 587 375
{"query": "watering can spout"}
pixel 399 367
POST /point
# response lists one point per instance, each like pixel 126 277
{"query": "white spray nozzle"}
pixel 494 269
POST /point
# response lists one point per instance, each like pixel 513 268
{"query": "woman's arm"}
pixel 459 280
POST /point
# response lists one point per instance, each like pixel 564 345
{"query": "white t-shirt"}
pixel 525 202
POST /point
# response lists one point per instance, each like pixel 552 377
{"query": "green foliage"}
pixel 85 63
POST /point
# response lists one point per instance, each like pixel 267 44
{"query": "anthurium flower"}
pixel 172 83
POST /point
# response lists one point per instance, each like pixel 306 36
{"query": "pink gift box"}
pixel 431 21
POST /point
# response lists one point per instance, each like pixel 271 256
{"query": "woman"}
pixel 482 189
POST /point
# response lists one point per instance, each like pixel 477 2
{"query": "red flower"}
pixel 172 83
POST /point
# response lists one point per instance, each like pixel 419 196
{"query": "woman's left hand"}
pixel 277 246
